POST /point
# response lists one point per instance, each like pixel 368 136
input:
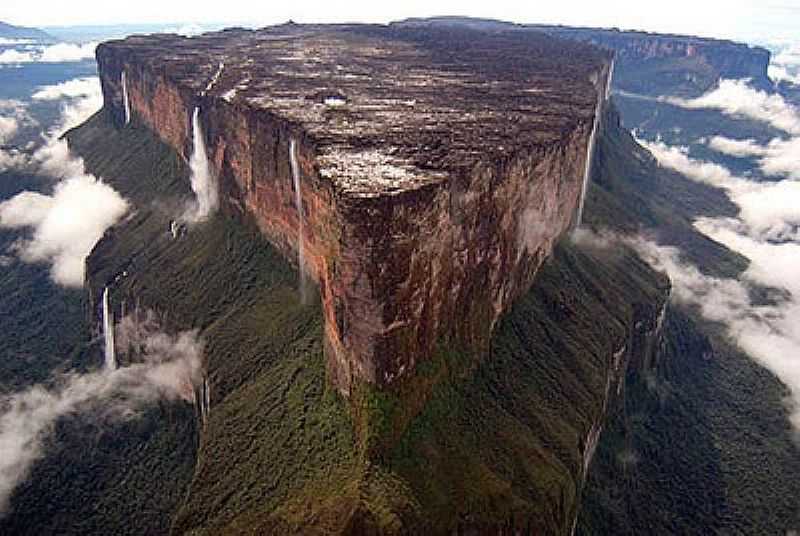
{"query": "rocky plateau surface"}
pixel 437 168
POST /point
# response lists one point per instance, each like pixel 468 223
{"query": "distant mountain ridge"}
pixel 9 31
pixel 647 63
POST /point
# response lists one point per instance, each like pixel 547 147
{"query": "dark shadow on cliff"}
pixel 699 446
pixel 501 443
pixel 701 443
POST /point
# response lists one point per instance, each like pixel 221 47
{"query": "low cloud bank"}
pixel 67 223
pixel 785 65
pixel 81 98
pixel 166 367
pixel 12 159
pixel 77 87
pixel 13 116
pixel 5 41
pixel 677 158
pixel 737 98
pixel 732 147
pixel 770 334
pixel 8 128
pixel 766 231
pixel 770 210
pixel 58 53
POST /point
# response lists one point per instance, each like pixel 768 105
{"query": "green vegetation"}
pixel 500 443
pixel 699 446
pixel 701 443
pixel 33 308
pixel 97 477
pixel 632 193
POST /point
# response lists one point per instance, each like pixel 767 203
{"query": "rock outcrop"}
pixel 437 168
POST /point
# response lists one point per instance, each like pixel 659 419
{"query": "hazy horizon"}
pixel 748 21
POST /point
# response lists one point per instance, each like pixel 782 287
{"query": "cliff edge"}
pixel 420 177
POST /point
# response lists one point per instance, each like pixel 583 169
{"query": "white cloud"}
pixel 785 65
pixel 770 334
pixel 8 128
pixel 782 158
pixel 779 73
pixel 770 210
pixel 54 159
pixel 58 53
pixel 67 224
pixel 186 30
pixel 588 238
pixel 67 52
pixel 15 56
pixel 4 41
pixel 12 105
pixel 168 367
pixel 747 147
pixel 677 158
pixel 13 116
pixel 77 111
pixel 77 87
pixel 789 55
pixel 766 231
pixel 12 159
pixel 25 210
pixel 736 98
pixel 82 97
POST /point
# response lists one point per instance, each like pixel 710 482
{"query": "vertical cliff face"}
pixel 657 64
pixel 730 59
pixel 433 184
pixel 673 64
pixel 638 353
pixel 503 449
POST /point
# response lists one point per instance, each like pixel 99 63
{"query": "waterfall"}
pixel 609 79
pixel 298 201
pixel 202 400
pixel 202 180
pixel 206 400
pixel 108 333
pixel 587 170
pixel 125 99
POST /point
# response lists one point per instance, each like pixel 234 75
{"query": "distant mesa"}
pixel 9 31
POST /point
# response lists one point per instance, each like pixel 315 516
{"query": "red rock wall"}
pixel 400 274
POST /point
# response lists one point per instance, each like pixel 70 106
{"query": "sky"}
pixel 745 20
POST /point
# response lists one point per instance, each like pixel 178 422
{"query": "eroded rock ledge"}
pixel 438 167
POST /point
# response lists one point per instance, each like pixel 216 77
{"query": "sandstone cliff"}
pixel 437 169
pixel 672 64
pixel 502 447
pixel 652 63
